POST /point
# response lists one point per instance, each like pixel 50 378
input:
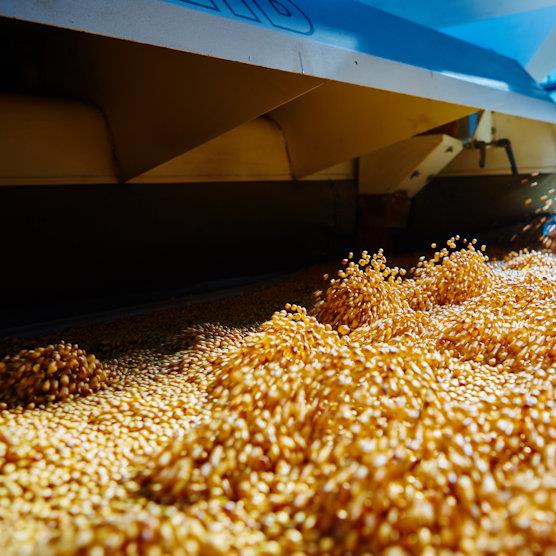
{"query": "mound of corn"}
pixel 52 373
pixel 397 416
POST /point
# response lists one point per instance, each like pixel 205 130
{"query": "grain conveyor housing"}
pixel 270 132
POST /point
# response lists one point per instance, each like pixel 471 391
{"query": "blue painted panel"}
pixel 513 28
pixel 550 79
pixel 549 84
pixel 443 13
pixel 361 28
pixel 517 36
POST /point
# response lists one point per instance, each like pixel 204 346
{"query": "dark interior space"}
pixel 74 249
pixel 492 208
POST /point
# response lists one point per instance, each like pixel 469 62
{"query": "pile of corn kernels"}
pixel 405 413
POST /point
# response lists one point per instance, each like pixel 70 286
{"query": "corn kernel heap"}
pixel 396 417
pixel 56 372
pixel 525 260
pixel 361 294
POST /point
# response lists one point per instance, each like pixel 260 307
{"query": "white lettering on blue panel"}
pixel 241 8
pixel 281 14
pixel 284 14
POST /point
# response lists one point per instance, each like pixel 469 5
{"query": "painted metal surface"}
pixel 522 30
pixel 543 63
pixel 533 143
pixel 53 141
pixel 337 122
pixel 406 166
pixel 341 40
pixel 160 103
pixel 440 13
pixel 517 36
